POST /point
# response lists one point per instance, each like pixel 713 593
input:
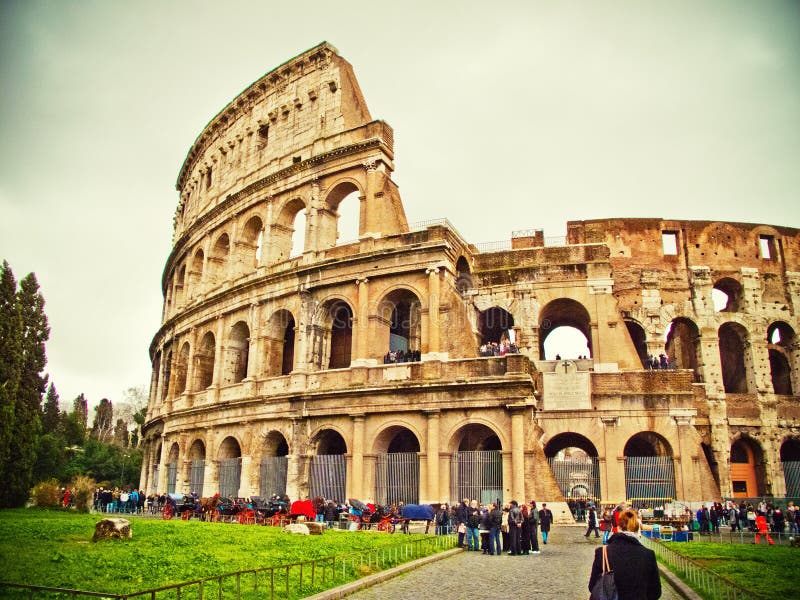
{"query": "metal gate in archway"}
pixel 230 476
pixel 172 477
pixel 397 478
pixel 273 476
pixel 477 475
pixel 328 477
pixel 791 475
pixel 577 473
pixel 649 477
pixel 197 476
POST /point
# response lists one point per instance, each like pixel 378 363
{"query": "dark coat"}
pixel 634 566
pixel 545 519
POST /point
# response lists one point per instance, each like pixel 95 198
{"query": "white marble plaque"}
pixel 566 388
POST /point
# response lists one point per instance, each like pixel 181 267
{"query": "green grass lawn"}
pixel 770 571
pixel 54 549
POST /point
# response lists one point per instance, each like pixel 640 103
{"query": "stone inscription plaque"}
pixel 566 388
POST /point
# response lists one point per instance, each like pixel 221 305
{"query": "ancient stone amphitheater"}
pixel 271 369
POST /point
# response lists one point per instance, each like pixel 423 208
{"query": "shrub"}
pixel 83 492
pixel 47 494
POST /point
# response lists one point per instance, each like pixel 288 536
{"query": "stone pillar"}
pixel 517 451
pixel 434 491
pixel 219 357
pixel 357 454
pixel 254 358
pixel 434 348
pixel 362 324
pixel 244 480
pixel 162 465
pixel 189 387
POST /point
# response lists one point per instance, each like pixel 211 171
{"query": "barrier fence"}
pixel 284 582
pixel 707 583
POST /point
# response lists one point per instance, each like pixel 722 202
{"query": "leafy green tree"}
pixel 103 425
pixel 51 416
pixel 80 410
pixel 10 365
pixel 106 463
pixel 121 433
pixel 52 458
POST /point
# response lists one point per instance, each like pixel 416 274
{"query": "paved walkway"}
pixel 560 572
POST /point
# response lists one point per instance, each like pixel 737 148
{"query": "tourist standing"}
pixel 533 526
pixel 591 519
pixel 515 520
pixel 495 521
pixel 545 520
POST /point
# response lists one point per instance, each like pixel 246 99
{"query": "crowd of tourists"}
pixel 762 518
pixel 401 356
pixel 657 362
pixel 500 348
pixel 118 500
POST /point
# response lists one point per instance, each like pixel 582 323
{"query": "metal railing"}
pixel 282 582
pixel 707 583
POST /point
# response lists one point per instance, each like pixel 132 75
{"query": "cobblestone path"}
pixel 560 572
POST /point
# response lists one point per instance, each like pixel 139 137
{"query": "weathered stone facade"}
pixel 266 361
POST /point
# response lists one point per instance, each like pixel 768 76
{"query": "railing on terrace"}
pixel 707 583
pixel 284 582
pixel 503 245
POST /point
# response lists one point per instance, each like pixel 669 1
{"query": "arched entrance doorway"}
pixel 396 467
pixel 476 466
pixel 649 470
pixel 230 468
pixel 790 459
pixel 274 465
pixel 172 469
pixel 781 340
pixel 197 467
pixel 575 466
pixel 328 475
pixel 747 468
pixel 565 330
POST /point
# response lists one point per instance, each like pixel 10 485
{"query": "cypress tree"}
pixel 103 425
pixel 10 367
pixel 51 415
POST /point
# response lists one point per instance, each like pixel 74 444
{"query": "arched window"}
pixel 248 250
pixel 781 340
pixel 238 353
pixel 683 345
pixel 333 336
pixel 564 330
pixel 181 369
pixel 495 324
pixel 341 223
pixel 727 295
pixel 280 343
pixel 733 339
pixel 196 273
pixel 218 260
pixel 400 314
pixel 463 275
pixel 639 339
pixel 204 361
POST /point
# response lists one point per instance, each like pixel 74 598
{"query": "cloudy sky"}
pixel 507 115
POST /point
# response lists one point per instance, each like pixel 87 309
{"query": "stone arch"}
pixel 343 219
pixel 575 465
pixel 204 362
pixel 196 272
pixel 564 313
pixel 275 444
pixel 649 469
pixel 464 280
pixel 475 436
pixel 274 465
pixel 237 351
pixel 683 345
pixel 400 320
pixel 790 460
pixel 182 368
pixel 172 468
pixel 248 248
pixel 332 340
pixel 328 440
pixel 748 472
pixel 397 450
pixel 395 437
pixel 639 338
pixel 229 456
pixel 781 342
pixel 287 236
pixel 727 295
pixel 328 465
pixel 494 325
pixel 218 260
pixel 736 365
pixel 476 463
pixel 197 466
pixel 280 339
pixel 180 285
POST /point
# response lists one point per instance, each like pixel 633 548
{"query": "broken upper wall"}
pixel 298 110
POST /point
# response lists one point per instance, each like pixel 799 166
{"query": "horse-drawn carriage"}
pixel 184 505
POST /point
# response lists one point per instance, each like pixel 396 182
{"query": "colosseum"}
pixel 411 364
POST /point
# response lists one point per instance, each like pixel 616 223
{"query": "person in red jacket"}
pixel 761 526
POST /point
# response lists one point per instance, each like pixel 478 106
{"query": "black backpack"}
pixel 605 588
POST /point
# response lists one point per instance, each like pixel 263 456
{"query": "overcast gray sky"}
pixel 507 115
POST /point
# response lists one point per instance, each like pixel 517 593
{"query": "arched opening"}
pixel 476 465
pixel 649 470
pixel 564 330
pixel 274 465
pixel 790 459
pixel 166 376
pixel 298 234
pixel 230 468
pixel 463 275
pixel 748 475
pixel 341 223
pixel 733 338
pixel 196 273
pixel 287 237
pixel 182 369
pixel 172 469
pixel 155 378
pixel 575 465
pixel 156 469
pixel 496 326
pixel 238 353
pixel 683 345
pixel 248 250
pixel 639 339
pixel 180 285
pixel 401 323
pixel 328 467
pixel 197 467
pixel 781 343
pixel 396 466
pixel 279 347
pixel 218 260
pixel 333 336
pixel 727 295
pixel 204 362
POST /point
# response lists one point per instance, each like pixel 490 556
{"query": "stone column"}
pixel 254 367
pixel 244 480
pixel 362 324
pixel 434 349
pixel 162 465
pixel 517 451
pixel 189 387
pixel 434 492
pixel 357 454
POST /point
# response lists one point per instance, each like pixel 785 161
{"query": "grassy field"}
pixel 54 548
pixel 770 571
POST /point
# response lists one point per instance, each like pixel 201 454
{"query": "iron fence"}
pixel 283 582
pixel 577 477
pixel 707 583
pixel 197 476
pixel 328 475
pixel 230 476
pixel 478 475
pixel 273 475
pixel 397 478
pixel 649 477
